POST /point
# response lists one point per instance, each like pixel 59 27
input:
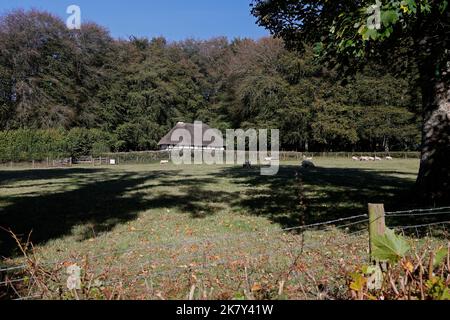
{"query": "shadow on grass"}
pixel 102 199
pixel 13 176
pixel 101 204
pixel 118 197
pixel 328 193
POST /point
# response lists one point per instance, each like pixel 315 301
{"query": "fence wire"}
pixel 8 282
pixel 240 235
pixel 179 269
pixel 176 270
pixel 322 226
pixel 206 239
pixel 227 237
pixel 422 225
pixel 400 215
pixel 412 211
pixel 325 223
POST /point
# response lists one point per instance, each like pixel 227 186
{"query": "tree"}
pixel 410 35
pixel 35 70
pixel 49 75
pixel 133 91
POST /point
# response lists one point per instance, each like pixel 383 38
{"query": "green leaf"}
pixel 446 294
pixel 389 31
pixel 362 29
pixel 443 6
pixel 318 47
pixel 239 296
pixel 440 256
pixel 425 7
pixel 409 6
pixel 358 283
pixel 389 247
pixel 389 17
pixel 369 34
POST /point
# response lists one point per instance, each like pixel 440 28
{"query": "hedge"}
pixel 26 144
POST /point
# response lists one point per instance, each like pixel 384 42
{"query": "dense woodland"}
pixel 81 90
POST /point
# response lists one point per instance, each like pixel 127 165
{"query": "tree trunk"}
pixel 433 183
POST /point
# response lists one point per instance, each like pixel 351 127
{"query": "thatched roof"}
pixel 189 128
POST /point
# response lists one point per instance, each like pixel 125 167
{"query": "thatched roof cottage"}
pixel 186 140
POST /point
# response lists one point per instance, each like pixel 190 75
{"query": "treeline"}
pixel 26 144
pixel 124 95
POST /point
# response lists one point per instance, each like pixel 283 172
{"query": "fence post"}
pixel 377 223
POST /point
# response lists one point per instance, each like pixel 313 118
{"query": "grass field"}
pixel 152 231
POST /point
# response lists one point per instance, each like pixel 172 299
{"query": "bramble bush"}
pixel 401 273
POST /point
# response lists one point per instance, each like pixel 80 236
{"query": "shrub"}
pixel 402 275
pixel 27 144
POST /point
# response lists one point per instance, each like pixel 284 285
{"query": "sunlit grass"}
pixel 152 218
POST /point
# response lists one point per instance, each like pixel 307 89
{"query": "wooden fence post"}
pixel 377 223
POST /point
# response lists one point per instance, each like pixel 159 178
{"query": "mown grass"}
pixel 155 231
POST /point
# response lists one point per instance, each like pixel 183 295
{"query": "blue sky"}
pixel 173 19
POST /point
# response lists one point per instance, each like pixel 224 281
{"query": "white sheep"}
pixel 371 159
pixel 164 162
pixel 377 159
pixel 355 158
pixel 389 158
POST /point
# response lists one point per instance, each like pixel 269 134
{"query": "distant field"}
pixel 152 231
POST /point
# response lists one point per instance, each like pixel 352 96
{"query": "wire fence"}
pixel 151 157
pixel 257 233
pixel 412 211
pixel 440 223
pixel 267 246
pixel 203 240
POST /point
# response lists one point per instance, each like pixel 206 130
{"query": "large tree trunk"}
pixel 433 183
